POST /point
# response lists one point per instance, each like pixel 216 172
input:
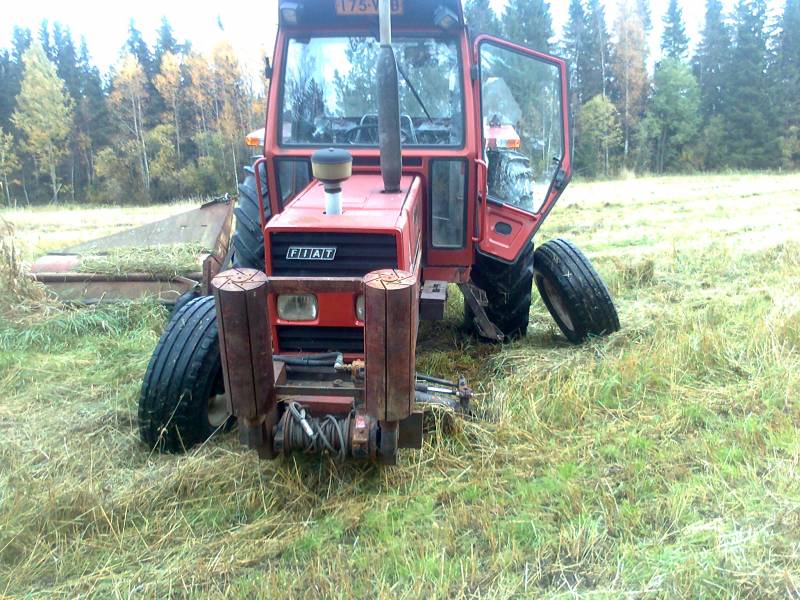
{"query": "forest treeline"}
pixel 165 122
pixel 168 122
pixel 734 103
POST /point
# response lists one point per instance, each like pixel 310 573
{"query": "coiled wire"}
pixel 327 432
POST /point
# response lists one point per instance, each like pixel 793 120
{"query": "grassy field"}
pixel 661 462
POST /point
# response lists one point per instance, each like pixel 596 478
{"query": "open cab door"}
pixel 524 116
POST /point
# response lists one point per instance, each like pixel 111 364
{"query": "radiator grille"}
pixel 321 339
pixel 356 254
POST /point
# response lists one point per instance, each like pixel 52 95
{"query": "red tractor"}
pixel 399 156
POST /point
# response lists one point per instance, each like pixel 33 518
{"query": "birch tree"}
pixel 169 84
pixel 43 113
pixel 629 70
pixel 127 99
pixel 9 164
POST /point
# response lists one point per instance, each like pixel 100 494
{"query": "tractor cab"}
pixel 482 129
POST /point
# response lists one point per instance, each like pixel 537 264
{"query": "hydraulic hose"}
pixel 331 359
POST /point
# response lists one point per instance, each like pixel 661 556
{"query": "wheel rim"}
pixel 557 303
pixel 218 413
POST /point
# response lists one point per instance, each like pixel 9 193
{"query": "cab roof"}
pixel 415 13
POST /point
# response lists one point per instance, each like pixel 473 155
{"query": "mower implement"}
pixel 204 231
pixel 400 155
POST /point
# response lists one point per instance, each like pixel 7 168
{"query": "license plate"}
pixel 346 8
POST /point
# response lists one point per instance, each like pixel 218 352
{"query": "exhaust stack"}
pixel 388 104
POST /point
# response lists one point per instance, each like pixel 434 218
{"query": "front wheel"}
pixel 508 288
pixel 183 402
pixel 574 292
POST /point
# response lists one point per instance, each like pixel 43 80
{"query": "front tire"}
pixel 508 288
pixel 182 402
pixel 574 292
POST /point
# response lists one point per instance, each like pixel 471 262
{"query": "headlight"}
pixel 298 308
pixel 361 309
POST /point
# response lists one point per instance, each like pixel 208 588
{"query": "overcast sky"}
pixel 250 26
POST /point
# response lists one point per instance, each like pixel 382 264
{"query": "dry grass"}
pixel 661 462
pixel 164 260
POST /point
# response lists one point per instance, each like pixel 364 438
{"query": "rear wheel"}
pixel 248 239
pixel 508 288
pixel 182 402
pixel 574 292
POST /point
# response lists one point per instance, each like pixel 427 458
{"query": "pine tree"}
pixel 643 8
pixel 44 113
pixel 481 18
pixel 574 48
pixel 528 23
pixel 44 39
pixel 65 57
pixel 166 43
pixel 786 78
pixel 594 73
pixel 628 64
pixel 713 54
pixel 674 43
pixel 748 118
pixel 11 73
pixel 138 48
pixel 92 120
pixel 6 97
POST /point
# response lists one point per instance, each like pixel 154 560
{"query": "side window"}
pixel 522 125
pixel 293 176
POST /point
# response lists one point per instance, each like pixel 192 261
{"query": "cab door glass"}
pixel 522 125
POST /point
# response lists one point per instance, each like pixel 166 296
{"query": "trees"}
pixel 629 69
pixel 748 117
pixel 9 164
pixel 574 49
pixel 712 57
pixel 786 78
pixel 11 73
pixel 600 132
pixel 481 18
pixel 675 109
pixel 127 99
pixel 169 84
pixel 43 113
pixel 594 73
pixel 674 43
pixel 528 22
pixel 168 121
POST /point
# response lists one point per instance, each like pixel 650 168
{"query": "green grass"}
pixel 660 462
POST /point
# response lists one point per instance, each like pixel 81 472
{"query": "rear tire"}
pixel 573 292
pixel 182 402
pixel 248 239
pixel 508 288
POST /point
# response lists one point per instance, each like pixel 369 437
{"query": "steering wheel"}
pixel 368 134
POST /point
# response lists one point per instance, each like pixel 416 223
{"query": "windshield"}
pixel 330 92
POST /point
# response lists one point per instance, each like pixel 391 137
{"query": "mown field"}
pixel 661 462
